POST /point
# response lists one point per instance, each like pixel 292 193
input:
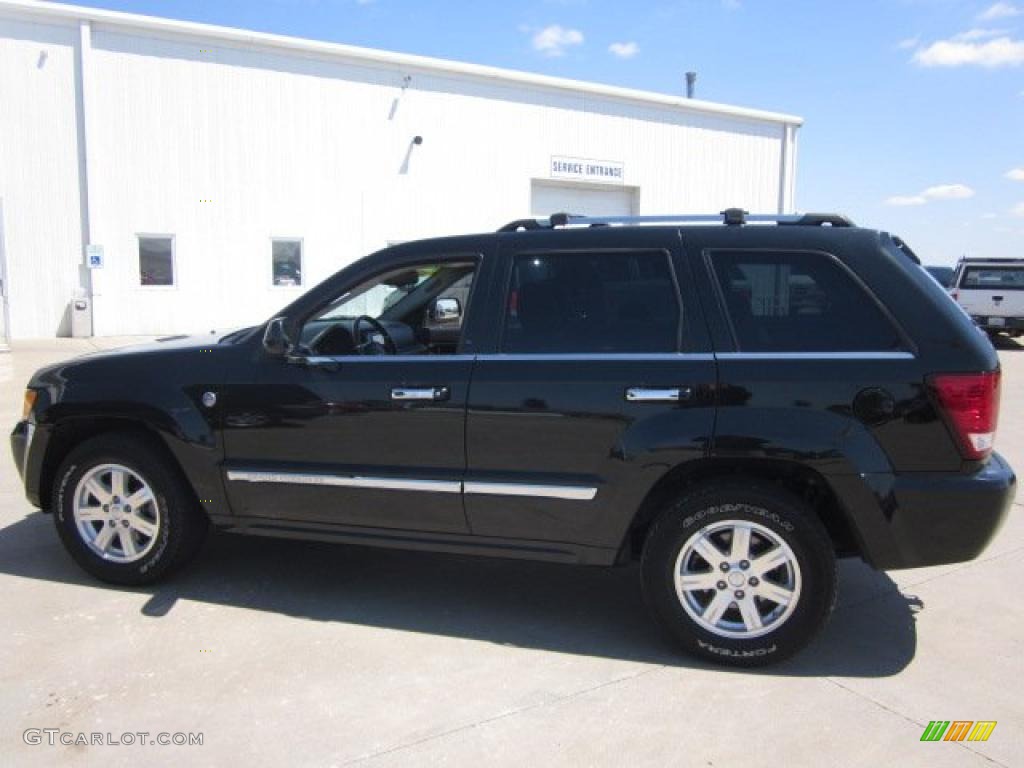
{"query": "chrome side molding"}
pixel 568 492
pixel 573 492
pixel 346 481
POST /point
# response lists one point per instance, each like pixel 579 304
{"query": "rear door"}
pixel 599 378
pixel 991 293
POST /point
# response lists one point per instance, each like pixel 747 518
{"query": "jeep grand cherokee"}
pixel 734 405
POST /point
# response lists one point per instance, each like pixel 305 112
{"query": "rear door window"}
pixel 993 278
pixel 592 302
pixel 799 302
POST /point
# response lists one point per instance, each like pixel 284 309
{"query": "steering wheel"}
pixel 366 347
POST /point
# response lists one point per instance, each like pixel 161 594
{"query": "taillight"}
pixel 970 403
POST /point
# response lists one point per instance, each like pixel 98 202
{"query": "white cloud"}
pixel 939 192
pixel 1000 10
pixel 624 50
pixel 905 200
pixel 956 52
pixel 1015 174
pixel 554 40
pixel 948 192
pixel 978 33
pixel 989 216
pixel 1018 210
pixel 908 42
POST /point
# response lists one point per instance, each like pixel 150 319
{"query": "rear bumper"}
pixel 1009 323
pixel 922 518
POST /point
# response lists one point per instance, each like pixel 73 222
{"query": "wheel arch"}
pixel 72 432
pixel 800 480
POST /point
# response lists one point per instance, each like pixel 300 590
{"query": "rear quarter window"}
pixel 799 302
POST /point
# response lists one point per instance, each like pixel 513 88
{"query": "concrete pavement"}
pixel 305 654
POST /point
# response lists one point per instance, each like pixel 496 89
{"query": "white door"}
pixel 547 199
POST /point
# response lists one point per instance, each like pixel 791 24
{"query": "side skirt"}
pixel 462 544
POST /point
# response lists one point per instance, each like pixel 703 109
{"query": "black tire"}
pixel 784 515
pixel 181 527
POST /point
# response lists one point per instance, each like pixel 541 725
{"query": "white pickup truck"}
pixel 991 291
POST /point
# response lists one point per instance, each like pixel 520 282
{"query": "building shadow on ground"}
pixel 577 610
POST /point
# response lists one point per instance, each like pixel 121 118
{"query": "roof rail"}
pixel 729 217
pixel 995 260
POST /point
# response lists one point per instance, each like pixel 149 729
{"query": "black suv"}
pixel 734 405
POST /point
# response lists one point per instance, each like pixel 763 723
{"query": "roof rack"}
pixel 731 217
pixel 996 260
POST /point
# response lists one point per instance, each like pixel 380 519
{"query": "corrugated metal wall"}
pixel 39 173
pixel 225 147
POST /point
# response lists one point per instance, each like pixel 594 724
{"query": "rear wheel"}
pixel 123 512
pixel 740 574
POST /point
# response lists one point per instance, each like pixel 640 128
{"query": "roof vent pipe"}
pixel 691 84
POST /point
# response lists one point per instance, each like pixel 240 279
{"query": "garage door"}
pixel 563 198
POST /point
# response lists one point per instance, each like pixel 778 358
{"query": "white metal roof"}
pixel 60 11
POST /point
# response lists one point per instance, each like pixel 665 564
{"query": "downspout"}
pixel 83 72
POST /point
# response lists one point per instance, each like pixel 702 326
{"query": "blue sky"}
pixel 914 108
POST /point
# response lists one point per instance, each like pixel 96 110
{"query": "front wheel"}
pixel 739 574
pixel 123 512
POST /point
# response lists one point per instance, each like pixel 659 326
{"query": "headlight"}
pixel 28 403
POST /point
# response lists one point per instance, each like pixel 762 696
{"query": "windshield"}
pixel 376 297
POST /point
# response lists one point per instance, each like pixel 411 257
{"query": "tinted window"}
pixel 994 278
pixel 156 260
pixel 586 302
pixel 799 302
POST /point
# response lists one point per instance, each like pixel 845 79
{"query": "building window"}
pixel 156 260
pixel 286 257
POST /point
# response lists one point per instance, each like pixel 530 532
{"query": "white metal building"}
pixel 210 174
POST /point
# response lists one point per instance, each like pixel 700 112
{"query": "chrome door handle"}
pixel 420 393
pixel 658 394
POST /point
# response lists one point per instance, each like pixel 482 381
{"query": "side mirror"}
pixel 446 310
pixel 275 338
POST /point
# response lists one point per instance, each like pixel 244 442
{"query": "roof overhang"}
pixel 369 56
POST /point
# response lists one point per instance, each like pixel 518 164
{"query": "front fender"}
pixel 159 393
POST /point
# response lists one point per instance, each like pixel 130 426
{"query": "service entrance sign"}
pixel 581 169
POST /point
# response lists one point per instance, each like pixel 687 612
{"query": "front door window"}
pixel 418 310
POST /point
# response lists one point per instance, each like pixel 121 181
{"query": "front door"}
pixel 365 424
pixel 600 383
